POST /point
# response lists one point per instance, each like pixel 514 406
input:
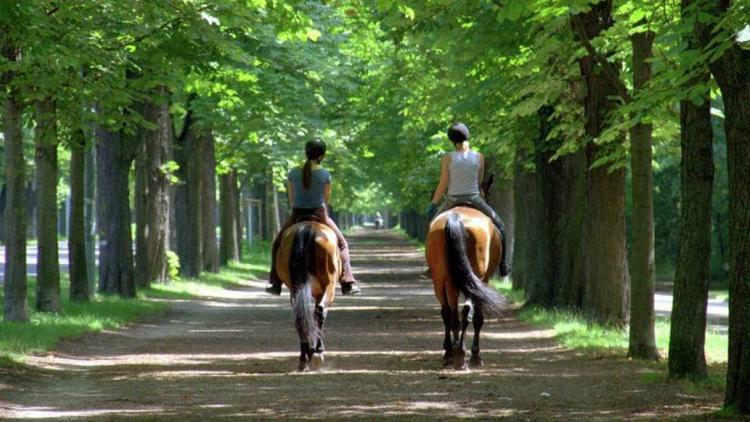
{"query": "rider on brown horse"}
pixel 461 172
pixel 309 189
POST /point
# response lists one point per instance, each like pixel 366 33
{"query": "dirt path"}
pixel 234 357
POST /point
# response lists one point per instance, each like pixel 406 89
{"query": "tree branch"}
pixel 609 70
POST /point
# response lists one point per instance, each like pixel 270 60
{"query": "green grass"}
pixel 44 330
pixel 574 331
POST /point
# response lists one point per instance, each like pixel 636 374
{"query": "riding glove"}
pixel 431 211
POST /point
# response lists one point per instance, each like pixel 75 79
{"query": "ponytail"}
pixel 307 174
pixel 314 150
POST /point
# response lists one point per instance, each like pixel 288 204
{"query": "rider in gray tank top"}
pixel 464 169
pixel 459 181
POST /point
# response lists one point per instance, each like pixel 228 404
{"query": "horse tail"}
pixel 461 272
pixel 301 265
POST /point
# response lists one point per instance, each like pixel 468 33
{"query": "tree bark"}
pixel 688 326
pixel 15 210
pixel 188 200
pixel 228 249
pixel 734 81
pixel 79 284
pixel 116 250
pixel 238 214
pixel 89 214
pixel 528 256
pixel 158 153
pixel 48 267
pixel 642 344
pixel 141 214
pixel 208 202
pixel 606 282
pixel 730 71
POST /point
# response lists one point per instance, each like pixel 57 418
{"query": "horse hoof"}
pixel 317 361
pixel 461 366
pixel 476 362
pixel 302 367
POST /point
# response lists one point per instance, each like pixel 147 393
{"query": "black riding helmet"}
pixel 458 132
pixel 315 149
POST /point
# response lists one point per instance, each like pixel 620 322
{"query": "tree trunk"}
pixel 116 247
pixel 188 201
pixel 731 73
pixel 48 267
pixel 528 265
pixel 89 212
pixel 606 282
pixel 15 210
pixel 238 214
pixel 208 202
pixel 158 152
pixel 141 214
pixel 79 284
pixel 642 343
pixel 688 327
pixel 228 248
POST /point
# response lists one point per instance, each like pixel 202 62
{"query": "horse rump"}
pixel 461 271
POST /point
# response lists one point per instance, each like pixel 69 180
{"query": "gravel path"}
pixel 234 357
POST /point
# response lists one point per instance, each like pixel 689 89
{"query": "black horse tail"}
pixel 461 272
pixel 301 265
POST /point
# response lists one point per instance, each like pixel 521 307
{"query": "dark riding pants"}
pixel 479 203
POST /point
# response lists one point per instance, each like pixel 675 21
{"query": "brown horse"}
pixel 463 250
pixel 308 263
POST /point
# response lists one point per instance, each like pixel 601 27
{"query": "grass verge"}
pixel 44 330
pixel 574 331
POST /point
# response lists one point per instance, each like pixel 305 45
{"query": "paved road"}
pixel 233 357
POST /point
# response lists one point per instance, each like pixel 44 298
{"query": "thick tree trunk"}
pixel 15 210
pixel 89 214
pixel 48 267
pixel 116 248
pixel 79 284
pixel 528 256
pixel 606 283
pixel 735 88
pixel 141 214
pixel 642 343
pixel 208 202
pixel 688 327
pixel 731 73
pixel 158 152
pixel 188 201
pixel 228 248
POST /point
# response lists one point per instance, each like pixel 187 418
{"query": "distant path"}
pixel 233 357
pixel 717 312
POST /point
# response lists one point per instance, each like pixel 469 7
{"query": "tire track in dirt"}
pixel 234 357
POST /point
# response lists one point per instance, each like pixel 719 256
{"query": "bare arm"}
pixel 444 179
pixel 327 193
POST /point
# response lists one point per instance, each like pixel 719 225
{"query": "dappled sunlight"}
pixel 233 354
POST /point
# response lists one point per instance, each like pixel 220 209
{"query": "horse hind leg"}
pixel 476 360
pixel 447 315
pixel 466 315
pixel 304 356
pixel 317 359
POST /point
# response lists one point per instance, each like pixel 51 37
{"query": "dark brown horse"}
pixel 308 263
pixel 463 250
